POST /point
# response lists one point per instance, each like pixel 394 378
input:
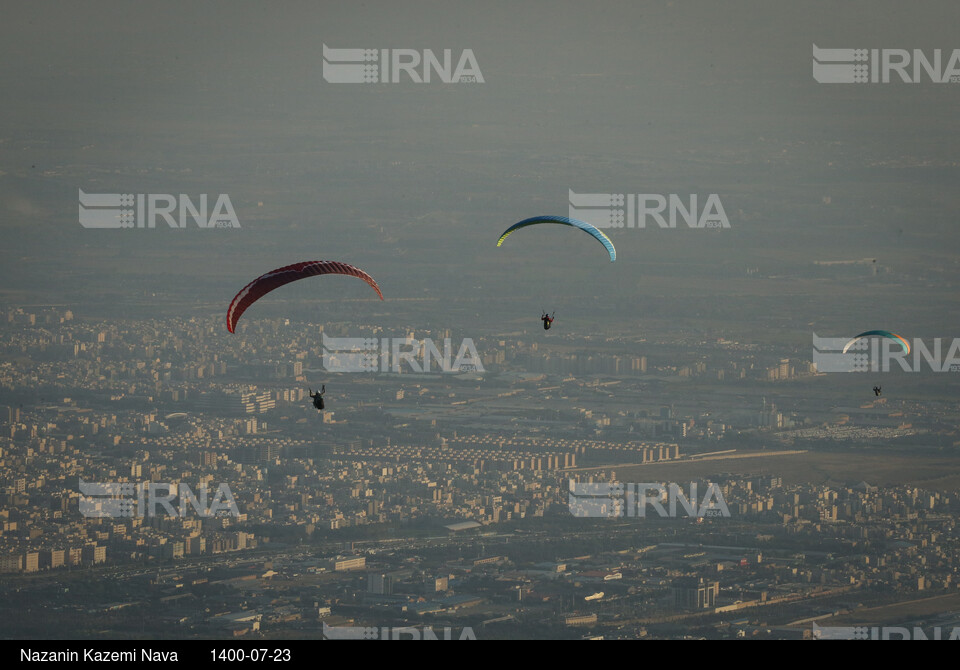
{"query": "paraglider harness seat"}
pixel 318 397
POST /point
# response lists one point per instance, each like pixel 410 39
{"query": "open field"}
pixel 935 472
pixel 902 612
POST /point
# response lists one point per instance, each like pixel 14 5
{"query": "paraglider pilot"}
pixel 318 397
pixel 547 320
pixel 877 390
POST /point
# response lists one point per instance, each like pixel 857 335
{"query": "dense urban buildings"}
pixel 442 498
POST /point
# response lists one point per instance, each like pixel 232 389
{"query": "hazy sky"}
pixel 415 181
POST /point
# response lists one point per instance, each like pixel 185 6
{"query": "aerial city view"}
pixel 481 321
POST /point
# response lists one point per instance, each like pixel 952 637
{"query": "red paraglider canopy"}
pixel 263 284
